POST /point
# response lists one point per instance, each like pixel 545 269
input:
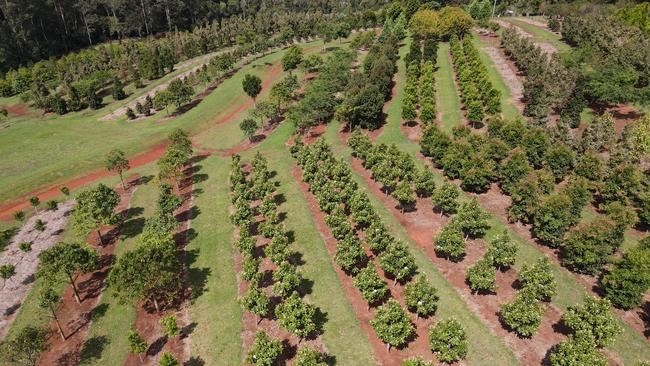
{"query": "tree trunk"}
pixel 58 325
pixel 155 304
pixel 99 234
pixel 140 357
pixel 388 347
pixel 144 16
pixel 83 17
pixel 74 290
pixel 122 180
pixel 169 19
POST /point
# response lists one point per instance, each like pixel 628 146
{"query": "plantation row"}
pixel 477 92
pixel 592 326
pixel 366 91
pixel 527 162
pixel 338 196
pixel 420 83
pixel 254 196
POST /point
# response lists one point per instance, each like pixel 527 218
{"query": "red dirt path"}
pixel 76 318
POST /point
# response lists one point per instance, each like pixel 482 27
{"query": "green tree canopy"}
pixel 69 261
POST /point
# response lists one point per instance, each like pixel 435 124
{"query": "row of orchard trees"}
pixel 528 161
pixel 477 92
pixel 292 313
pixel 369 87
pixel 147 274
pixel 80 78
pixel 349 213
pixel 419 92
pixel 591 325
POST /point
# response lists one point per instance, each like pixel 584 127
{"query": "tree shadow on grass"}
pixel 98 312
pixel 93 348
pixel 197 277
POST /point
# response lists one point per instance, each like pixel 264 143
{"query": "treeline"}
pixel 419 92
pixel 31 30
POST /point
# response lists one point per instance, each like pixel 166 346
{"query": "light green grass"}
pixel 540 34
pixel 448 100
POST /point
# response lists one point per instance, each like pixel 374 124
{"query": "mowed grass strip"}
pixel 540 34
pixel 342 335
pixel 216 340
pixel 448 99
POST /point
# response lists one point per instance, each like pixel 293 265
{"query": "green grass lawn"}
pixel 448 100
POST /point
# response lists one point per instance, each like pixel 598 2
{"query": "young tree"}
pixel 139 107
pixel 594 317
pixel 502 251
pixel 552 219
pixel 392 324
pixel 19 215
pixel 421 298
pixel 252 85
pixel 129 113
pixel 170 326
pixel 473 219
pixel 404 194
pixel 308 356
pixel 538 279
pixel 248 127
pixel 68 260
pixel 94 208
pixel 350 255
pixel 523 315
pixel 287 279
pixel 167 359
pixel 448 341
pixel 450 242
pixel 118 90
pixel 373 289
pixel 49 299
pixel 482 276
pixel 117 162
pixel 148 105
pixel 578 349
pixel 256 302
pixel 25 347
pixel 6 272
pixel 586 248
pixel 626 283
pixel 180 92
pixel 136 344
pixel 416 361
pixel 398 262
pixel 265 351
pixel 425 183
pixel 296 316
pixel 292 58
pixel 167 201
pixel 513 169
pixel 445 198
pixel 34 201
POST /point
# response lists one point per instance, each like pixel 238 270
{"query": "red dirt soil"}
pixel 17 110
pixel 147 319
pixel 422 225
pixel 76 318
pixel 419 346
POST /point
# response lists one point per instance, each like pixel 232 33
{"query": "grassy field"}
pixel 79 142
pixel 540 34
pixel 449 118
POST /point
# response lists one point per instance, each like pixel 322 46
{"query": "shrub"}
pixel 25 246
pixel 392 324
pixel 449 242
pixel 523 315
pixel 373 289
pixel 594 317
pixel 502 251
pixel 578 349
pixel 265 351
pixel 482 276
pixel 472 219
pixel 538 279
pixel 448 341
pixel 421 297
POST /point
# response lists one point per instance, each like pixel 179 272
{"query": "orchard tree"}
pixel 50 300
pixel 378 237
pixel 523 315
pixel 482 276
pixel 292 58
pixel 287 279
pixel 117 162
pixel 129 113
pixel 149 273
pixel 449 242
pixel 35 201
pixel 552 219
pixel 502 251
pixel 296 316
pixel 404 194
pixel 538 279
pixel 392 324
pixel 95 207
pixel 625 284
pixel 448 341
pixel 473 219
pixel 67 260
pixel 421 297
pixel 416 361
pixel 265 351
pixel 586 249
pixel 559 159
pixel 118 90
pixel 398 262
pixel 513 169
pixel 425 182
pixel 349 255
pixel 577 349
pixel 308 356
pixel 248 127
pixel 594 317
pixel 445 198
pixel 373 289
pixel 252 85
pixel 170 326
pixel 136 344
pixel 256 302
pixel 25 347
pixel 167 201
pixel 6 272
pixel 167 359
pixel 180 92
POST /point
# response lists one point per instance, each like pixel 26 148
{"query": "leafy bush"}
pixel 448 341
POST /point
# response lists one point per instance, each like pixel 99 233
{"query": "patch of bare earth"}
pixel 422 225
pixel 74 317
pixel 417 346
pixel 25 264
pixel 510 75
pixel 547 47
